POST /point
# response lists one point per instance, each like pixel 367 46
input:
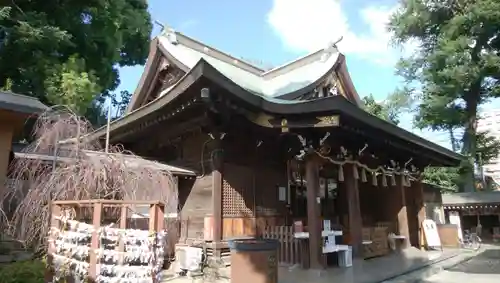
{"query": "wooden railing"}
pixel 232 227
pixel 289 248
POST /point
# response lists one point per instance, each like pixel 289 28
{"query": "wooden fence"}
pixel 289 248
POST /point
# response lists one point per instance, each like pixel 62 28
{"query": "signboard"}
pixel 322 187
pixel 455 219
pixel 431 233
pixel 282 193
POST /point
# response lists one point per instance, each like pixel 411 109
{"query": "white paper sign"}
pixel 431 233
pixel 282 193
pixel 455 219
pixel 326 225
pixel 322 188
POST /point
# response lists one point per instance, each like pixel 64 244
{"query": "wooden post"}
pixel 153 215
pixel 123 225
pixel 156 224
pixel 55 211
pixel 402 213
pixel 160 220
pixel 354 208
pixel 217 197
pixel 156 217
pixel 313 211
pixel 418 192
pixel 94 244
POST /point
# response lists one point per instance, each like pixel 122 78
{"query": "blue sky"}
pixel 277 31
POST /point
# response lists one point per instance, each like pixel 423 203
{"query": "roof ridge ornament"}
pixel 330 49
pixel 167 32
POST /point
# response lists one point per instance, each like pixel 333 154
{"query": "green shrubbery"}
pixel 31 271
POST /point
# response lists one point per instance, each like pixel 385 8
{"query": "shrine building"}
pixel 288 147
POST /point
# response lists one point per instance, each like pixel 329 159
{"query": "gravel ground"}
pixel 483 268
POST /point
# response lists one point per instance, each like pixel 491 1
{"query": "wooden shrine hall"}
pixel 286 147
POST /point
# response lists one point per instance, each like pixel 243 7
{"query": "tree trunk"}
pixel 469 139
pixel 453 141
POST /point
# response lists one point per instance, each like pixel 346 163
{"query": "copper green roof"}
pixel 278 81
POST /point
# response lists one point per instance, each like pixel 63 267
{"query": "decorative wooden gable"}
pixel 159 75
pixel 168 75
pixel 337 83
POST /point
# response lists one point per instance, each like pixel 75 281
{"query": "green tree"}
pixel 69 51
pixel 72 86
pixel 120 103
pixel 391 108
pixel 456 64
pixel 446 178
pixel 375 108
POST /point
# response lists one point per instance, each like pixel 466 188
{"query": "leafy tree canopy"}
pixel 456 64
pixel 68 52
pixel 443 177
pixel 391 108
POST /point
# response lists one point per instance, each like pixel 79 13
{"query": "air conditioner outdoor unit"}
pixel 188 258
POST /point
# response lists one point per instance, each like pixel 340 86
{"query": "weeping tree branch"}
pixel 81 171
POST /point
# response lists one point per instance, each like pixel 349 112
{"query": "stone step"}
pixel 15 256
pixel 11 244
pixel 12 250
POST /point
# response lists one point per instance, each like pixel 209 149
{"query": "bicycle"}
pixel 471 241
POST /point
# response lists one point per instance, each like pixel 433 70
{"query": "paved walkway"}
pixel 369 271
pixel 483 268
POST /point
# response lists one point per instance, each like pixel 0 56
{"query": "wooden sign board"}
pixel 431 234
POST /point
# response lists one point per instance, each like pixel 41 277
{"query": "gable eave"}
pixel 348 85
pixel 148 75
pixel 334 104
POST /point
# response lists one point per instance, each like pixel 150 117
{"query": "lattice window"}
pixel 234 202
pixel 237 191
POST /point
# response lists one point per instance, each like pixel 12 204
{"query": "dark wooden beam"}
pixel 417 188
pixel 164 133
pixel 402 212
pixel 355 220
pixel 383 145
pixel 217 171
pixel 313 211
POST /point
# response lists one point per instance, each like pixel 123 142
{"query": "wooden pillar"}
pixel 156 217
pixel 418 192
pixel 54 224
pixel 6 132
pixel 402 214
pixel 354 209
pixel 156 223
pixel 217 161
pixel 94 245
pixel 123 225
pixel 313 211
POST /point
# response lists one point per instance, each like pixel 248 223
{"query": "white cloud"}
pixel 306 26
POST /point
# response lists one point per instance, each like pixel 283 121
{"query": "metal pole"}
pixel 56 147
pixel 107 128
